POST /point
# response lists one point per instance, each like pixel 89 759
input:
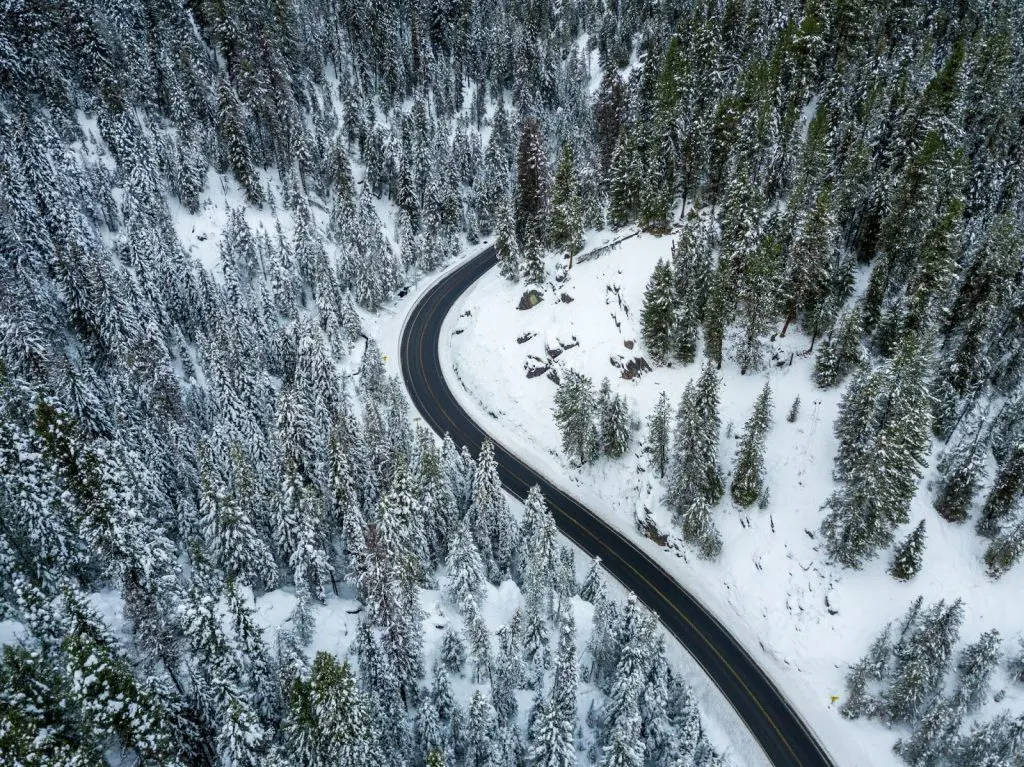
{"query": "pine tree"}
pixel 699 529
pixel 534 272
pixel 453 652
pixel 1006 550
pixel 494 528
pixel 922 658
pixel 906 561
pixel 693 471
pixel 794 410
pixel 933 735
pixel 565 228
pixel 716 312
pixel 841 352
pixel 538 553
pixel 330 715
pixel 531 206
pixel 691 271
pixel 506 244
pixel 658 433
pixel 614 423
pixel 480 649
pixel 623 744
pixel 658 313
pixel 592 583
pixel 465 572
pixel 232 130
pixel 807 278
pixel 748 475
pixel 623 182
pixel 554 729
pixel 993 743
pixel 883 433
pixel 609 112
pixel 758 288
pixel 871 668
pixel 975 667
pixel 575 405
pixel 1006 489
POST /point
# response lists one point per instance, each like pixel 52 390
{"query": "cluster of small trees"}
pixel 902 680
pixel 591 423
pixel 687 456
pixel 676 301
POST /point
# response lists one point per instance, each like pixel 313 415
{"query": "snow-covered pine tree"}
pixel 906 560
pixel 532 183
pixel 975 666
pixel 621 717
pixel 658 433
pixel 691 273
pixel 794 410
pixel 506 244
pixel 465 572
pixel 658 315
pixel 748 475
pixel 717 311
pixel 337 715
pixel 922 659
pixel 996 742
pixel 1005 492
pixel 592 582
pixel 494 528
pixel 538 553
pixel 883 432
pixel 453 654
pixel 694 471
pixel 962 467
pixel 808 269
pixel 614 424
pixel 841 351
pixel 871 668
pixel 533 269
pixel 933 735
pixel 1006 550
pixel 565 226
pixel 554 731
pixel 575 406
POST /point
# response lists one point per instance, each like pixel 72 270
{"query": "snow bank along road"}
pixel 784 737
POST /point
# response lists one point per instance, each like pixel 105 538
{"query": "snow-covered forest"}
pixel 223 538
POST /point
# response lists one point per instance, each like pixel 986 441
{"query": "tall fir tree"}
pixel 565 227
pixel 658 433
pixel 748 474
pixel 575 406
pixel 658 314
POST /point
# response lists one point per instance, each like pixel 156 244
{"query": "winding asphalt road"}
pixel 785 738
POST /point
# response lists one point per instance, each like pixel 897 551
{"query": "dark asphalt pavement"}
pixel 782 734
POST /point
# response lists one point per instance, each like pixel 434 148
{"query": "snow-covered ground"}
pixel 803 619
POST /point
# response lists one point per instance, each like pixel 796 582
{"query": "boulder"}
pixel 535 366
pixel 525 337
pixel 635 368
pixel 530 299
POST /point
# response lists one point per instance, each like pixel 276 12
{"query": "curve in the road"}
pixel 784 737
